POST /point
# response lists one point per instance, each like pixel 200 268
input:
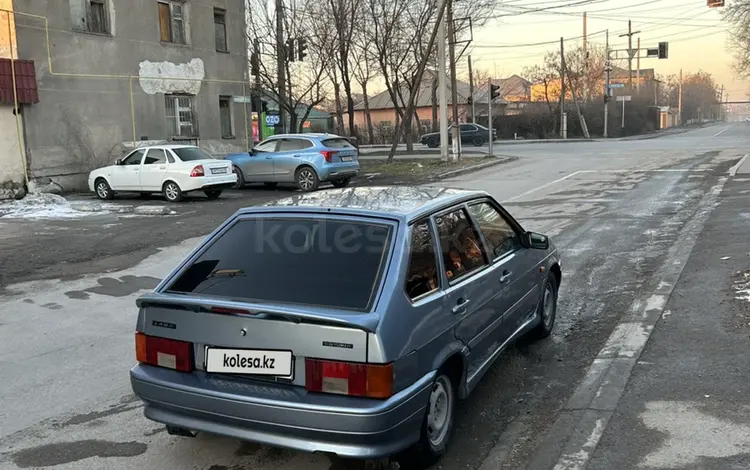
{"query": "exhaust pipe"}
pixel 175 431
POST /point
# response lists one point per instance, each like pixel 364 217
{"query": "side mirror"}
pixel 537 241
pixel 251 152
pixel 118 161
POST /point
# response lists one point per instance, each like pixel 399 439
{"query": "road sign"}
pixel 624 98
pixel 242 99
pixel 617 85
pixel 272 119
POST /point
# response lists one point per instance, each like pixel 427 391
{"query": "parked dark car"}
pixel 347 321
pixel 470 134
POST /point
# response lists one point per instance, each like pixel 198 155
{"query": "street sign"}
pixel 242 99
pixel 617 85
pixel 624 98
pixel 272 119
pixel 652 52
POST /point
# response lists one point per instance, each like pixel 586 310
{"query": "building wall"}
pixel 382 116
pixel 11 155
pixel 85 116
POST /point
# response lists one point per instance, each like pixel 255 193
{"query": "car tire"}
pixel 437 427
pixel 341 182
pixel 478 141
pixel 306 179
pixel 102 189
pixel 546 310
pixel 433 143
pixel 172 192
pixel 212 193
pixel 240 177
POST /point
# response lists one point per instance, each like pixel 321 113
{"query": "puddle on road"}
pixel 122 287
pixel 49 455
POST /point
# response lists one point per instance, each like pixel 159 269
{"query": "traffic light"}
pixel 663 50
pixel 302 49
pixel 607 98
pixel 494 91
pixel 469 100
pixel 289 50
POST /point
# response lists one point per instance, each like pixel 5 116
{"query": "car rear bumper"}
pixel 283 415
pixel 339 170
pixel 208 182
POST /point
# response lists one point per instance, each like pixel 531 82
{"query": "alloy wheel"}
pixel 306 179
pixel 102 190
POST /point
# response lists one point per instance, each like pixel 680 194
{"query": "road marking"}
pixel 548 184
pixel 721 131
pixel 733 170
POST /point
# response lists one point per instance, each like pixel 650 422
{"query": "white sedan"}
pixel 172 170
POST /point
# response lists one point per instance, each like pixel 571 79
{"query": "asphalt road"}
pixel 625 215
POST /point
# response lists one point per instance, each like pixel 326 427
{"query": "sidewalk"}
pixel 687 404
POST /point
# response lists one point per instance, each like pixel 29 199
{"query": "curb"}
pixel 473 168
pixel 120 208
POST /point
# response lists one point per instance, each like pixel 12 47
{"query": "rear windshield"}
pixel 337 144
pixel 189 154
pixel 321 262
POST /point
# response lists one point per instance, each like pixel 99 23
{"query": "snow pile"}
pixel 742 286
pixel 40 206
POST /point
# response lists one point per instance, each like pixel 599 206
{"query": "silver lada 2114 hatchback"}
pixel 347 321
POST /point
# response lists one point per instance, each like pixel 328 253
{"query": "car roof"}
pixel 399 202
pixel 166 146
pixel 311 135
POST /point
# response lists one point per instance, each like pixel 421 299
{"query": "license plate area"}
pixel 218 171
pixel 346 159
pixel 259 362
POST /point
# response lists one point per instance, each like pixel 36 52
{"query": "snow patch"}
pixel 40 206
pixel 742 286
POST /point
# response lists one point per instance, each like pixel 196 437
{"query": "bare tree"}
pixel 364 71
pixel 304 85
pixel 737 13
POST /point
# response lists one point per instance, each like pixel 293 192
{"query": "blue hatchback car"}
pixel 348 321
pixel 304 160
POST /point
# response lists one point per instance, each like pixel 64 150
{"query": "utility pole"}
pixel 456 136
pixel 679 99
pixel 280 62
pixel 585 59
pixel 258 88
pixel 721 101
pixel 433 99
pixel 471 94
pixel 489 112
pixel 607 70
pixel 631 52
pixel 638 67
pixel 442 91
pixel 563 130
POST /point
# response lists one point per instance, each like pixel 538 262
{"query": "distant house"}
pixel 618 76
pixel 516 90
pixel 383 113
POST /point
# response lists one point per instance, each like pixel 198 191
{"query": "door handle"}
pixel 461 305
pixel 162 167
pixel 505 276
pixel 297 156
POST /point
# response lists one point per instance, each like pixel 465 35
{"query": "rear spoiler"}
pixel 366 321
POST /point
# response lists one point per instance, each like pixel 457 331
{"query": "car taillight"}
pixel 328 154
pixel 197 171
pixel 349 378
pixel 163 352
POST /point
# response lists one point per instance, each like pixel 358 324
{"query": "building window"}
pixel 220 29
pixel 90 16
pixel 181 120
pixel 225 116
pixel 172 22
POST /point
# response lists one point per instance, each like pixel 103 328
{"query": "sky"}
pixel 696 34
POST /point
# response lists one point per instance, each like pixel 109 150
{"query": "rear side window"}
pixel 189 154
pixel 288 145
pixel 422 277
pixel 337 144
pixel 321 262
